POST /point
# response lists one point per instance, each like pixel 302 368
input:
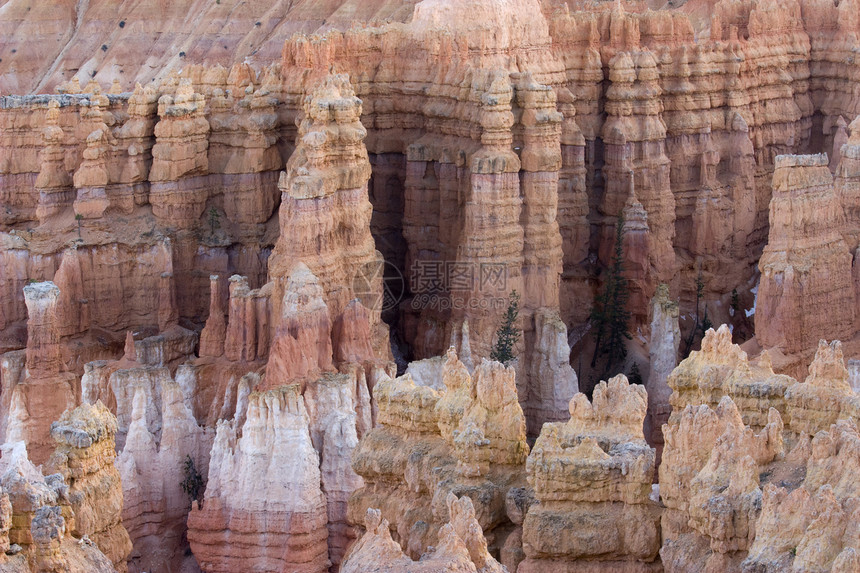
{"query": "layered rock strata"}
pixel 592 480
pixel 806 265
pixel 241 522
pixel 47 523
pixel 735 495
pixel 484 132
pixel 466 439
pixel 85 459
pixel 710 483
pixel 461 547
pixel 45 389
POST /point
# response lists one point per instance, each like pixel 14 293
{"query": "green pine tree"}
pixel 635 375
pixel 214 220
pixel 508 334
pixel 610 317
pixel 698 326
pixel 193 483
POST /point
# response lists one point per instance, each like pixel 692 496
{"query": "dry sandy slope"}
pixel 43 44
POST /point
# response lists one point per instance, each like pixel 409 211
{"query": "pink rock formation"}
pixel 325 212
pixel 665 340
pixel 302 347
pixel 806 265
pixel 53 182
pixel 244 520
pixel 332 404
pixel 179 154
pixel 91 178
pixel 847 184
pixel 635 135
pixel 213 335
pixel 45 391
pixel 152 467
pixel 481 146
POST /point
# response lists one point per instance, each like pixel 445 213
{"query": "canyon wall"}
pixel 268 263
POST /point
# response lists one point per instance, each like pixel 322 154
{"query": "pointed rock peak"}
pixel 303 292
pixel 854 131
pixel 841 123
pixel 138 409
pixel 765 361
pixel 717 347
pixel 455 375
pixel 589 449
pixel 728 411
pixel 93 87
pixel 828 367
pixel 622 62
pixel 739 123
pixel 617 407
pixel 130 352
pixel 635 215
pixel 186 89
pixel 495 384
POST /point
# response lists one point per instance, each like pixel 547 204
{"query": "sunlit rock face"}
pixel 240 519
pixel 68 520
pixel 596 464
pixel 204 212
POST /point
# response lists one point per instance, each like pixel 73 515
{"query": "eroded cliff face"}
pixel 592 479
pixel 732 474
pixel 69 520
pixel 806 265
pixel 205 259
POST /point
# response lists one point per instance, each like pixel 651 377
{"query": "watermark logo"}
pixel 428 277
pixel 434 285
pixel 369 275
pixel 459 286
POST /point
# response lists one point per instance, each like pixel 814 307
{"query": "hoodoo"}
pixel 429 285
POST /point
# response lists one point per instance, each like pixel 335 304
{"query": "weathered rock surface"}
pixel 467 439
pixel 592 479
pixel 472 148
pixel 85 458
pixel 806 265
pixel 244 520
pixel 45 523
pixel 461 547
pixel 664 343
